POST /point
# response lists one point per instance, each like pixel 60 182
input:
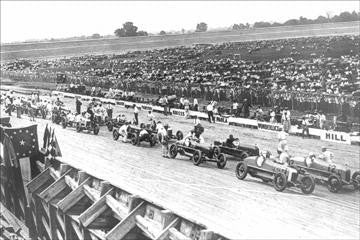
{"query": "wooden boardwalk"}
pixel 213 197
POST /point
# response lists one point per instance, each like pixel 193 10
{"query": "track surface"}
pixel 115 45
pixel 214 197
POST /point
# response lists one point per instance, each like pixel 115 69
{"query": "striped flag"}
pixel 53 149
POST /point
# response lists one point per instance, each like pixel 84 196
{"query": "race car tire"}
pixel 197 157
pixel 334 184
pixel 356 180
pixel 116 135
pixel 217 152
pixel 110 126
pixel 307 184
pixel 134 139
pixel 280 182
pixel 173 150
pixel 78 127
pixel 243 155
pixel 241 170
pixel 221 163
pixel 152 140
pixel 63 123
pixel 96 129
pixel 179 135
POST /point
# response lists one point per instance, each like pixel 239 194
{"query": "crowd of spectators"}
pixel 314 73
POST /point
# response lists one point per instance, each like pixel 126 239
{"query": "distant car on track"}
pixel 90 126
pixel 281 175
pixel 333 174
pixel 241 151
pixel 198 153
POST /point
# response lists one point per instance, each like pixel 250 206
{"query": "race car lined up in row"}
pixel 268 169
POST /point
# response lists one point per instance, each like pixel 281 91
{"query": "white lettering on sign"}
pixel 178 112
pixel 269 126
pixel 334 136
pixel 220 119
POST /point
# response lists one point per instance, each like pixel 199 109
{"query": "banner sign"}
pixel 221 119
pixel 243 122
pixel 200 115
pixel 146 107
pixel 178 112
pixel 270 126
pixel 121 103
pixel 334 136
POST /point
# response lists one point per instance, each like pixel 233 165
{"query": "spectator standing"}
pixel 210 109
pixel 322 120
pixel 78 105
pixel 136 114
pixel 196 105
pixel 186 107
pixel 246 107
pixel 109 111
pixel 305 126
pixel 235 106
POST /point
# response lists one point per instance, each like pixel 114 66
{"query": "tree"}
pixel 95 36
pixel 262 24
pixel 201 27
pixel 162 32
pixel 129 30
pixel 238 26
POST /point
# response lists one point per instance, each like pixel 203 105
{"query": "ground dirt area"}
pixel 120 45
pixel 208 195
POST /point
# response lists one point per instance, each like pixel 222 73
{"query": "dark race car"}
pixel 89 126
pixel 199 153
pixel 334 175
pixel 281 175
pixel 114 123
pixel 58 114
pixel 241 151
pixel 136 137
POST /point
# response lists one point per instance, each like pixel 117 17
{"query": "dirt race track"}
pixel 116 45
pixel 210 196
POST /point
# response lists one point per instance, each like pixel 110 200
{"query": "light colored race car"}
pixel 282 176
pixel 334 175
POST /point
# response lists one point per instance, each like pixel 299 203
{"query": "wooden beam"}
pixel 77 230
pixel 165 233
pixel 72 198
pixel 54 189
pixel 128 223
pixel 71 182
pixel 38 181
pixel 82 176
pixel 94 211
pixel 104 187
pixel 174 234
pixel 64 168
pixel 147 226
pixel 206 235
pixel 93 194
pixel 117 207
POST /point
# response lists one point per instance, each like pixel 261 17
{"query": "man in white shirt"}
pixel 235 106
pixel 150 116
pixel 196 105
pixel 210 109
pixel 322 120
pixel 326 155
pixel 123 131
pixel 136 114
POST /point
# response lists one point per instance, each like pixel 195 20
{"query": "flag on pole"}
pixel 24 140
pixel 53 149
pixel 46 137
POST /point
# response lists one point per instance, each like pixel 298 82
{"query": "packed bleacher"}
pixel 307 75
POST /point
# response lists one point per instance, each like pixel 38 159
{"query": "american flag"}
pixel 51 144
pixel 24 140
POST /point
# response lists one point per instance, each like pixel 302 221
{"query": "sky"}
pixel 25 20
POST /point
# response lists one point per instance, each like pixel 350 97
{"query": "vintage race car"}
pixel 89 126
pixel 68 120
pixel 114 123
pixel 58 114
pixel 269 170
pixel 241 151
pixel 333 174
pixel 197 152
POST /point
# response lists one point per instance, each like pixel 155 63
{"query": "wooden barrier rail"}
pixel 67 203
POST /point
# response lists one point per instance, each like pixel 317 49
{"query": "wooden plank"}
pixel 77 230
pixel 64 168
pixel 72 198
pixel 118 208
pixel 104 187
pixel 94 210
pixel 82 176
pixel 54 189
pixel 148 226
pixel 93 194
pixel 206 234
pixel 38 181
pixel 69 232
pixel 128 223
pixel 165 233
pixel 174 234
pixel 71 182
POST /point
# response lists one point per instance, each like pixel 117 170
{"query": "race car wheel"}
pixel 152 140
pixel 356 180
pixel 217 152
pixel 197 157
pixel 173 150
pixel 116 135
pixel 179 135
pixel 280 182
pixel 96 129
pixel 221 161
pixel 110 126
pixel 134 140
pixel 334 184
pixel 241 170
pixel 78 127
pixel 63 123
pixel 307 184
pixel 243 156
